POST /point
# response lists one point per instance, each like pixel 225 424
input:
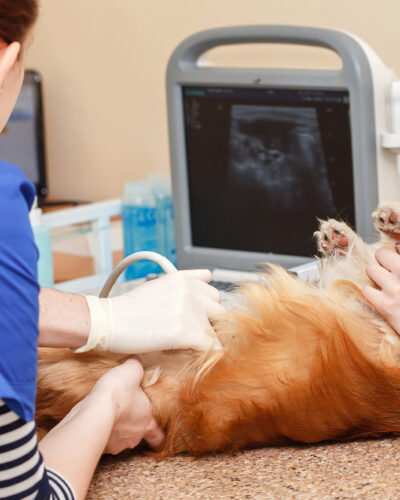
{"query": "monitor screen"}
pixel 264 164
pixel 21 142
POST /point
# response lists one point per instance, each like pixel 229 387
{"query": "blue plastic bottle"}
pixel 164 216
pixel 42 238
pixel 139 227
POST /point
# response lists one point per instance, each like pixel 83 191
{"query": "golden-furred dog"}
pixel 301 362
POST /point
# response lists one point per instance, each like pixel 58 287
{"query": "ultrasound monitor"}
pixel 259 155
pixel 263 163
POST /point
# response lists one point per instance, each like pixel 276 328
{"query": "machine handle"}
pixel 187 54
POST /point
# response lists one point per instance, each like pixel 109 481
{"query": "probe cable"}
pixel 162 261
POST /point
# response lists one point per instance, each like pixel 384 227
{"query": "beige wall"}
pixel 103 64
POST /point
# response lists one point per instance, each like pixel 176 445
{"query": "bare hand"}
pixel 385 272
pixel 134 420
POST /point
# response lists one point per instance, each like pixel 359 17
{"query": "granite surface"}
pixel 366 469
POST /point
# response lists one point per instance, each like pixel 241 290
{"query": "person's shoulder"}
pixel 13 181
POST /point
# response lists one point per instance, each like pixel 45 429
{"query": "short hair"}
pixel 16 18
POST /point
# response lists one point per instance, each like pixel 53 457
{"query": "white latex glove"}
pixel 171 312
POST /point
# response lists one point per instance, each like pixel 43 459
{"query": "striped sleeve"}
pixel 22 471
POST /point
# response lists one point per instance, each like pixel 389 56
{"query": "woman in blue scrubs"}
pixel 116 414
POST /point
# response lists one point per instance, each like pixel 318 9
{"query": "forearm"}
pixel 64 319
pixel 74 447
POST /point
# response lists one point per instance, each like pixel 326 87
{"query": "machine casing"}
pixel 363 74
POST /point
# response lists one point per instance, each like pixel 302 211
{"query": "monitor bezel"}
pixel 41 185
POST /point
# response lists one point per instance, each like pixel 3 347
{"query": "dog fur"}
pixel 301 362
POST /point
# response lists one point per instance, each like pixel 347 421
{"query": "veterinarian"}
pixel 385 272
pixel 172 312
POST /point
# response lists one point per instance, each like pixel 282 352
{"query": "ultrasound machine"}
pixel 259 154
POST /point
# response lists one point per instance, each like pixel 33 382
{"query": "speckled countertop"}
pixel 362 469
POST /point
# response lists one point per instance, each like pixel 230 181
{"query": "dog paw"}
pixel 334 238
pixel 387 219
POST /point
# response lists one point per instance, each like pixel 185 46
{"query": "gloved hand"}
pixel 171 312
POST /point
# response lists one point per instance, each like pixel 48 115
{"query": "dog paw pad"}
pixel 387 219
pixel 334 238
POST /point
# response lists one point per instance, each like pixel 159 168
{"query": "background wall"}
pixel 103 63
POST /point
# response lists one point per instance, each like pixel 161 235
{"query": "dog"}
pixel 301 362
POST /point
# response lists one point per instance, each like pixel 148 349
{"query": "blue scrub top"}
pixel 19 292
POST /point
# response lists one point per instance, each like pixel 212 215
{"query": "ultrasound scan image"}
pixel 278 150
